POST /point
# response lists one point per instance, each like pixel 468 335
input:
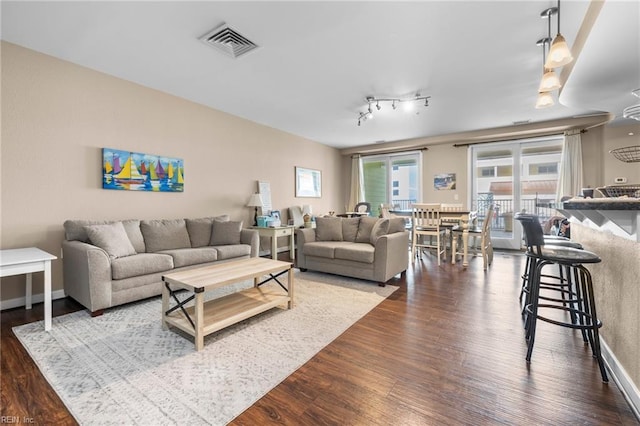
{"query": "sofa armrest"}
pixel 87 274
pixel 391 255
pixel 251 237
pixel 303 236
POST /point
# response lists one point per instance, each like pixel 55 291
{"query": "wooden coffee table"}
pixel 202 318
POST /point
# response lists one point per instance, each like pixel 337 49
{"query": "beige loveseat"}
pixel 368 248
pixel 108 263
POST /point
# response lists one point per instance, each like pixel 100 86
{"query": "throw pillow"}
pixel 350 228
pixel 364 229
pixel 200 229
pixel 396 224
pixel 380 228
pixel 112 238
pixel 225 233
pixel 132 226
pixel 328 229
pixel 165 234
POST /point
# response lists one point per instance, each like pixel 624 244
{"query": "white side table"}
pixel 274 233
pixel 27 261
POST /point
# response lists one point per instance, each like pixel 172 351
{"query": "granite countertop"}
pixel 622 203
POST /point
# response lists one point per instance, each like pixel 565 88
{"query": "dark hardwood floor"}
pixel 446 348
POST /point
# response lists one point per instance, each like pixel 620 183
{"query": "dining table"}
pixel 463 215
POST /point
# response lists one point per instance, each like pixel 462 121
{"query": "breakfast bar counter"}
pixel 619 216
pixel 609 228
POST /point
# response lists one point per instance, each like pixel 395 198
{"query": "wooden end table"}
pixel 274 233
pixel 27 261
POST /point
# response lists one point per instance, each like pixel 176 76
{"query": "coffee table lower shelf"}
pixel 225 311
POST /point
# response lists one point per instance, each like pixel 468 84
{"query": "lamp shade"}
pixel 255 200
pixel 544 100
pixel 559 53
pixel 549 82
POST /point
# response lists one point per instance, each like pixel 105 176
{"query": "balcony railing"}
pixel 503 212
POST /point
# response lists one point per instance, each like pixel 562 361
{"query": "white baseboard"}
pixel 35 298
pixel 621 378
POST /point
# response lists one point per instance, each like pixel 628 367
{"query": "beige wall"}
pixel 56 117
pixel 601 167
pixel 445 159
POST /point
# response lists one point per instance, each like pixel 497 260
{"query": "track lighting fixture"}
pixel 559 53
pixel 368 115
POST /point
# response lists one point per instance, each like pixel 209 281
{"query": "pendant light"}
pixel 544 100
pixel 544 96
pixel 550 80
pixel 559 53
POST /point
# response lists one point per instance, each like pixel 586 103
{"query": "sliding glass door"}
pixel 392 179
pixel 516 176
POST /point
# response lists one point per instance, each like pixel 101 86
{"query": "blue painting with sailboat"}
pixel 135 171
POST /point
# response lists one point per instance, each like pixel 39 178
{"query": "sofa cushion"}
pixel 350 228
pixel 191 256
pixel 165 234
pixel 364 229
pixel 200 229
pixel 380 228
pixel 112 238
pixel 231 251
pixel 225 233
pixel 328 229
pixel 356 251
pixel 320 249
pixel 132 226
pixel 396 224
pixel 74 229
pixel 140 264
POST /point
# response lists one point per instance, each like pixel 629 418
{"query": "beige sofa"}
pixel 109 263
pixel 368 248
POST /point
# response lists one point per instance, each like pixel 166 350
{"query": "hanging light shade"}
pixel 544 100
pixel 559 53
pixel 549 82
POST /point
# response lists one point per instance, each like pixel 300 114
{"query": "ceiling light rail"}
pixel 395 102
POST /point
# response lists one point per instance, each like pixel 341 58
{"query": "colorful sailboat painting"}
pixel 133 171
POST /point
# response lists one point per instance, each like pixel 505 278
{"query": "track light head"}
pixel 378 105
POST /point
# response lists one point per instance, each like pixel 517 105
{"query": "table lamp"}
pixel 255 201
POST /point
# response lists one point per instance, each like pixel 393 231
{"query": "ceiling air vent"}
pixel 229 41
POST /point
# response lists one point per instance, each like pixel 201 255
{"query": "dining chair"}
pixel 362 207
pixel 483 232
pixel 425 222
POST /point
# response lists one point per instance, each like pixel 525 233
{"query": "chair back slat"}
pixel 426 215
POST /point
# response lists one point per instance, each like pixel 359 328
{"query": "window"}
pixel 543 169
pixel 486 171
pixel 392 179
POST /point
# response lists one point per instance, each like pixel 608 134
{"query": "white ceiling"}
pixel 318 61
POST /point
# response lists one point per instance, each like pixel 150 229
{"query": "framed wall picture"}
pixel 308 183
pixel 445 181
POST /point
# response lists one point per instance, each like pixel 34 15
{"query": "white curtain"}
pixel 570 173
pixel 355 194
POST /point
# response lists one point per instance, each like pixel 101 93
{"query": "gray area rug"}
pixel 122 368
